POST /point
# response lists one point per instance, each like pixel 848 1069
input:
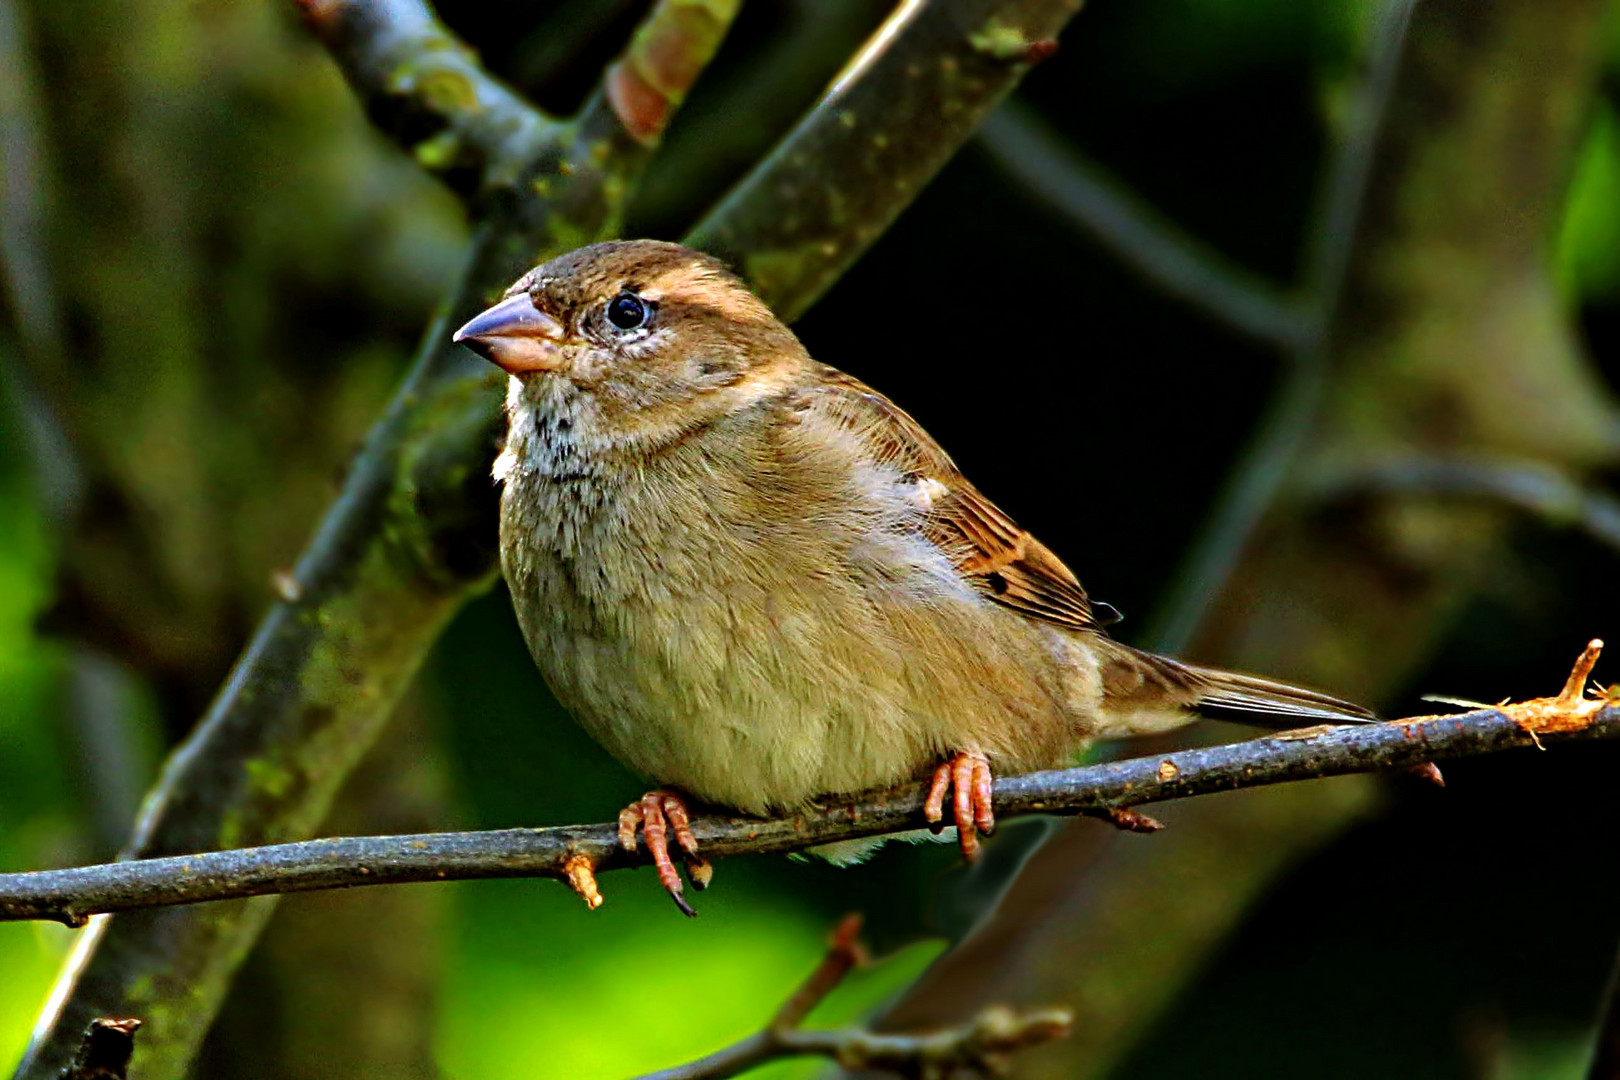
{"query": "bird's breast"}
pixel 759 635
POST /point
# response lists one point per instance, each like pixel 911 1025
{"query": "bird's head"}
pixel 642 325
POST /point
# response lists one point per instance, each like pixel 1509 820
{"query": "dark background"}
pixel 244 268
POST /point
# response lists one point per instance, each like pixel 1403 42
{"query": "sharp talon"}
pixel 659 813
pixel 688 910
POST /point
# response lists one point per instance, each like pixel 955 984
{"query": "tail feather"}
pixel 1140 682
pixel 1229 695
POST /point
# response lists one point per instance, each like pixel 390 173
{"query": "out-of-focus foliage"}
pixel 537 978
pixel 37 817
pixel 243 267
pixel 1591 232
pixel 1590 237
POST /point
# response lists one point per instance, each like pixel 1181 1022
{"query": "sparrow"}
pixel 757 581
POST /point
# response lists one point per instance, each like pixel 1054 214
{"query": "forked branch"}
pixel 982 1045
pixel 410 538
pixel 425 88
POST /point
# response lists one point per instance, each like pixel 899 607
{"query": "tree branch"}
pixel 412 535
pixel 1537 488
pixel 425 88
pixel 982 1045
pixel 1179 265
pixel 897 112
pixel 25 272
pixel 410 538
pixel 71 895
pixel 644 87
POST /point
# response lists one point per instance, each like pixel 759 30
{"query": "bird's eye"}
pixel 627 311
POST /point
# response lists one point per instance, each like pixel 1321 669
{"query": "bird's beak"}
pixel 516 336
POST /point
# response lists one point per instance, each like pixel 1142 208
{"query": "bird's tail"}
pixel 1145 692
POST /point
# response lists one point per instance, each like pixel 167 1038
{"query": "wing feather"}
pixel 989 550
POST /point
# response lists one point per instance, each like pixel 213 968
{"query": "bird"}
pixel 757 581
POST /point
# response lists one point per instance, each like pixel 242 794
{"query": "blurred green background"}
pixel 240 269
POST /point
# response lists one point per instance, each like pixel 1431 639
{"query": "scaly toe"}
pixel 629 822
pixel 658 813
pixel 934 805
pixel 967 833
pixel 967 777
pixel 984 814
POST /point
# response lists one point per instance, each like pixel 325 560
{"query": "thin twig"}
pixel 1538 488
pixel 27 284
pixel 70 896
pixel 1162 254
pixel 1605 1063
pixel 410 538
pixel 844 954
pixel 24 265
pixel 981 1045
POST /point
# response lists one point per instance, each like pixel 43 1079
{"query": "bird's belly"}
pixel 762 699
pixel 696 696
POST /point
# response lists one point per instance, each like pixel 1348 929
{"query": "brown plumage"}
pixel 757 580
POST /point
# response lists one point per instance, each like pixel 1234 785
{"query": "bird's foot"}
pixel 658 814
pixel 967 773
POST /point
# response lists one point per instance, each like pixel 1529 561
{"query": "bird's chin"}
pixel 519 356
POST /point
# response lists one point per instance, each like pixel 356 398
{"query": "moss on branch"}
pixel 411 537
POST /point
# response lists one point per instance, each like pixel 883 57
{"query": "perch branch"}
pixel 409 539
pixel 982 1045
pixel 70 896
pixel 1181 266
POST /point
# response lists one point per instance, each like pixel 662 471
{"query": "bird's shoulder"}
pixel 988 549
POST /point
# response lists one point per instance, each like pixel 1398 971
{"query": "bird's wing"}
pixel 989 550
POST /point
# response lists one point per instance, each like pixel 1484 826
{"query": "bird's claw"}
pixel 657 814
pixel 967 774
